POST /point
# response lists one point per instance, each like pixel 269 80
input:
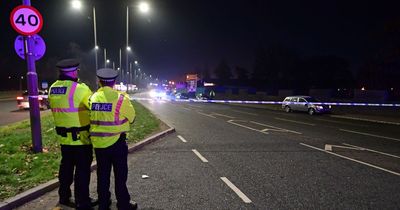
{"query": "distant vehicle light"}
pixel 40 98
pixel 20 98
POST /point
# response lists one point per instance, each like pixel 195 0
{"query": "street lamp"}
pixel 144 7
pixel 76 4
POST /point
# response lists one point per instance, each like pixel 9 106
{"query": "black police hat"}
pixel 107 74
pixel 67 65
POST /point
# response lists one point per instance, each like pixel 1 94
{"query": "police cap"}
pixel 107 74
pixel 67 65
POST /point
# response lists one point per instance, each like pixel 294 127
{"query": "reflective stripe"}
pixel 68 109
pixel 104 134
pixel 109 123
pixel 71 95
pixel 116 115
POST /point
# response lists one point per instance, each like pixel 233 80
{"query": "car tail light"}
pixel 20 98
pixel 40 98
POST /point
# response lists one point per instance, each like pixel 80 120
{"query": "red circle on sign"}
pixel 22 30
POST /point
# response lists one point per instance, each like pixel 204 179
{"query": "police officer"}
pixel 69 105
pixel 111 113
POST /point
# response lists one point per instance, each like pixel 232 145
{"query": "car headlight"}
pixel 319 107
pixel 153 94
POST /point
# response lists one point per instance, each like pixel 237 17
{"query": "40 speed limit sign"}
pixel 26 20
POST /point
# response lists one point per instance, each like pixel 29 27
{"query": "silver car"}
pixel 304 104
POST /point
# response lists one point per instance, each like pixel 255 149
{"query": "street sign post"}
pixel 39 46
pixel 27 21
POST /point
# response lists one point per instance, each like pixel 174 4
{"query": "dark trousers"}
pixel 78 158
pixel 114 156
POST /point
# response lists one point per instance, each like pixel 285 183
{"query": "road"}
pixel 230 157
pixel 276 159
pixel 10 113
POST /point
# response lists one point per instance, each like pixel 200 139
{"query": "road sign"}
pixel 26 20
pixel 39 47
pixel 45 85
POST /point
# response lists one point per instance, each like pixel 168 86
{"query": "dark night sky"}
pixel 182 35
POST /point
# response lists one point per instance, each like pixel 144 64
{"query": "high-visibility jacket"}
pixel 111 113
pixel 69 103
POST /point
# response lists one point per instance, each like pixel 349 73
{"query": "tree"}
pixel 242 74
pixel 223 72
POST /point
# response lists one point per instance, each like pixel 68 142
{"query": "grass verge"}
pixel 20 169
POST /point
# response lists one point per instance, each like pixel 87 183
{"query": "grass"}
pixel 21 169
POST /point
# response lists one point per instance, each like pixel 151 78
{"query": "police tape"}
pixel 271 102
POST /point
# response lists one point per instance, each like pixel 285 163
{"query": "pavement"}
pixel 45 196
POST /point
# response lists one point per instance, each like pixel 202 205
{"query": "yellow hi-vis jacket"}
pixel 69 102
pixel 111 113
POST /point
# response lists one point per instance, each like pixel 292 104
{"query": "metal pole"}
pixel 113 65
pixel 95 37
pixel 127 37
pixel 105 58
pixel 120 61
pixel 32 82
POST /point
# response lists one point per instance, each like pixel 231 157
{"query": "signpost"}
pixel 39 47
pixel 27 21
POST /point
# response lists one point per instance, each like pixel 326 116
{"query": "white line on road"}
pixel 187 109
pixel 347 158
pixel 257 123
pixel 223 115
pixel 368 134
pixel 200 156
pixel 236 190
pixel 249 113
pixel 370 150
pixel 329 147
pixel 195 106
pixel 206 114
pixel 231 121
pixel 339 122
pixel 294 121
pixel 366 120
pixel 182 139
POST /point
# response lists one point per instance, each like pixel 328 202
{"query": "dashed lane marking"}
pixel 222 115
pixel 236 190
pixel 369 134
pixel 366 120
pixel 249 113
pixel 351 159
pixel 206 115
pixel 182 139
pixel 294 121
pixel 371 150
pixel 203 159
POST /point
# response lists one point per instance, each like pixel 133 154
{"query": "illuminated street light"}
pixel 136 62
pixel 128 48
pixel 76 4
pixel 144 7
pixel 96 47
pixel 108 61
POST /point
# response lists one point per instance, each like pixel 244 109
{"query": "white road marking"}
pixel 366 120
pixel 200 156
pixel 257 123
pixel 294 121
pixel 231 121
pixel 370 150
pixel 218 114
pixel 236 190
pixel 339 122
pixel 187 109
pixel 49 130
pixel 368 134
pixel 182 139
pixel 206 114
pixel 249 113
pixel 329 147
pixel 347 158
pixel 195 106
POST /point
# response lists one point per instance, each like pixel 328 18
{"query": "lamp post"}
pixel 143 8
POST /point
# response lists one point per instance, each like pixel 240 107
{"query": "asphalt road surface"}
pixel 10 113
pixel 230 157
